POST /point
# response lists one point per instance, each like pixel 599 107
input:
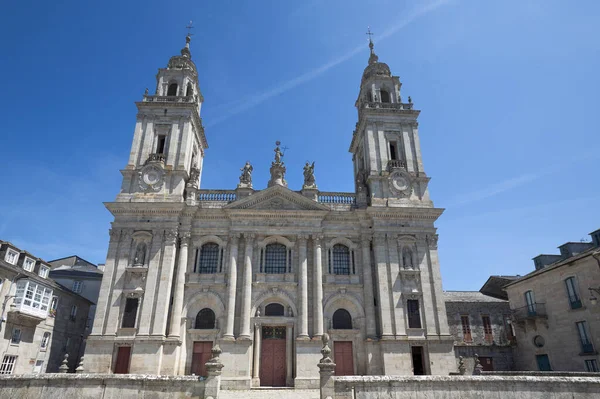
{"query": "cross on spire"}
pixel 373 57
pixel 189 28
pixel 369 33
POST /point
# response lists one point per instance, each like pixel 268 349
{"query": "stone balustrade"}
pixel 217 195
pixel 169 99
pixel 395 163
pixel 336 198
pixel 375 104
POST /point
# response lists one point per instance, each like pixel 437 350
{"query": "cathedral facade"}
pixel 264 273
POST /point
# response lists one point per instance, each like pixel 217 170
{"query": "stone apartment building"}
pixel 40 319
pixel 264 272
pixel 556 312
pixel 481 325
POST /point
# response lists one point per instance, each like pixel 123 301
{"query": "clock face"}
pixel 151 177
pixel 400 183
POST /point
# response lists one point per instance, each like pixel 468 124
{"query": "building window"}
pixel 393 152
pixel 53 306
pixel 591 365
pixel 487 328
pixel 342 320
pixel 466 328
pixel 11 257
pixel 33 298
pixel 543 362
pixel 510 334
pixel 28 264
pixel 385 96
pixel 77 285
pixel 274 309
pixel 205 320
pixel 172 90
pixel 45 340
pixel 572 293
pixel 161 142
pixel 44 270
pixel 530 301
pixel 73 314
pixel 130 313
pixel 189 90
pixel 341 259
pixel 275 258
pixel 208 259
pixel 8 364
pixel 15 338
pixel 586 343
pixel 414 315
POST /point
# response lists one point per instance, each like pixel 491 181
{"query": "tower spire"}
pixel 188 38
pixel 373 57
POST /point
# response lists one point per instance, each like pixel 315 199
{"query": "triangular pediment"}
pixel 277 198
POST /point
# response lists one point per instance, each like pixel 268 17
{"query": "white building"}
pixel 265 272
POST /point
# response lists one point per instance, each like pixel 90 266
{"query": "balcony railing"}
pixel 531 311
pixel 156 158
pixel 337 198
pixel 29 311
pixel 217 195
pixel 169 99
pixel 375 104
pixel 395 164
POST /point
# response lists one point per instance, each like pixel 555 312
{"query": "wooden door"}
pixel 487 363
pixel 200 355
pixel 343 358
pixel 273 368
pixel 122 363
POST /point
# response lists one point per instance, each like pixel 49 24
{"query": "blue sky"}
pixel 508 92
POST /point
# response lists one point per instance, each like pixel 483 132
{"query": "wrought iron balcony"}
pixel 530 312
pixel 395 164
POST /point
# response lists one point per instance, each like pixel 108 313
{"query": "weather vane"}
pixel 189 27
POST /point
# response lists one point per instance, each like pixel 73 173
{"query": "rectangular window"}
pixel 414 315
pixel 77 285
pixel 73 314
pixel 44 270
pixel 586 343
pixel 572 293
pixel 45 340
pixel 11 257
pixel 487 328
pixel 8 364
pixel 510 334
pixel 466 328
pixel 130 313
pixel 393 153
pixel 591 365
pixel 28 264
pixel 15 338
pixel 530 300
pixel 543 362
pixel 160 144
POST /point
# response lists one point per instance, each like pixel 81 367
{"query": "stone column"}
pixel 231 288
pixel 176 312
pixel 163 296
pixel 318 288
pixel 150 291
pixel 395 292
pixel 107 283
pixel 256 360
pixel 385 314
pixel 289 356
pixel 247 288
pixel 437 294
pixel 368 287
pixel 303 288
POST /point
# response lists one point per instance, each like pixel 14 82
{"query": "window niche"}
pixel 275 259
pixel 341 261
pixel 172 89
pixel 140 249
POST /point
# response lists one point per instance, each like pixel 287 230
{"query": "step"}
pixel 271 393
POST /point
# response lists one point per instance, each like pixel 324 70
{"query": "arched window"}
pixel 208 258
pixel 189 90
pixel 340 259
pixel 274 309
pixel 407 261
pixel 385 96
pixel 275 258
pixel 172 91
pixel 205 320
pixel 342 320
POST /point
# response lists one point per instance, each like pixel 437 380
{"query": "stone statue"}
pixel 278 153
pixel 309 176
pixel 140 254
pixel 277 169
pixel 146 92
pixel 409 100
pixel 246 177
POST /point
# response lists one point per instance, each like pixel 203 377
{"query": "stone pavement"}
pixel 271 393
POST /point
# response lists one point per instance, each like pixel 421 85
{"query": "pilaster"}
pixel 385 306
pixel 247 287
pixel 177 311
pixel 231 286
pixel 149 299
pixel 318 287
pixel 108 281
pixel 365 242
pixel 113 322
pixel 163 295
pixel 303 287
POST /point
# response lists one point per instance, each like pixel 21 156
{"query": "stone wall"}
pixel 467 387
pixel 94 386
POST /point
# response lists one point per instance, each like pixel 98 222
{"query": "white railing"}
pixel 337 198
pixel 217 195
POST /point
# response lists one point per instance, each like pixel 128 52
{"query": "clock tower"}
pixel 388 168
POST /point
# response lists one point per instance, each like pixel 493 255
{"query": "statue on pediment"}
pixel 246 177
pixel 309 176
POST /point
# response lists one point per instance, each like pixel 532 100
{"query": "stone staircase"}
pixel 271 393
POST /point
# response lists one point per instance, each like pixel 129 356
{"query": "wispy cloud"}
pixel 318 71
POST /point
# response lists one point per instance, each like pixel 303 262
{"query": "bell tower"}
pixel 169 142
pixel 385 148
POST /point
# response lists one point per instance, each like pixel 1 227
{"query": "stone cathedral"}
pixel 265 272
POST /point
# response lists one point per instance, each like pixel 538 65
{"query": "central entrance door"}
pixel 200 356
pixel 342 356
pixel 122 363
pixel 272 357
